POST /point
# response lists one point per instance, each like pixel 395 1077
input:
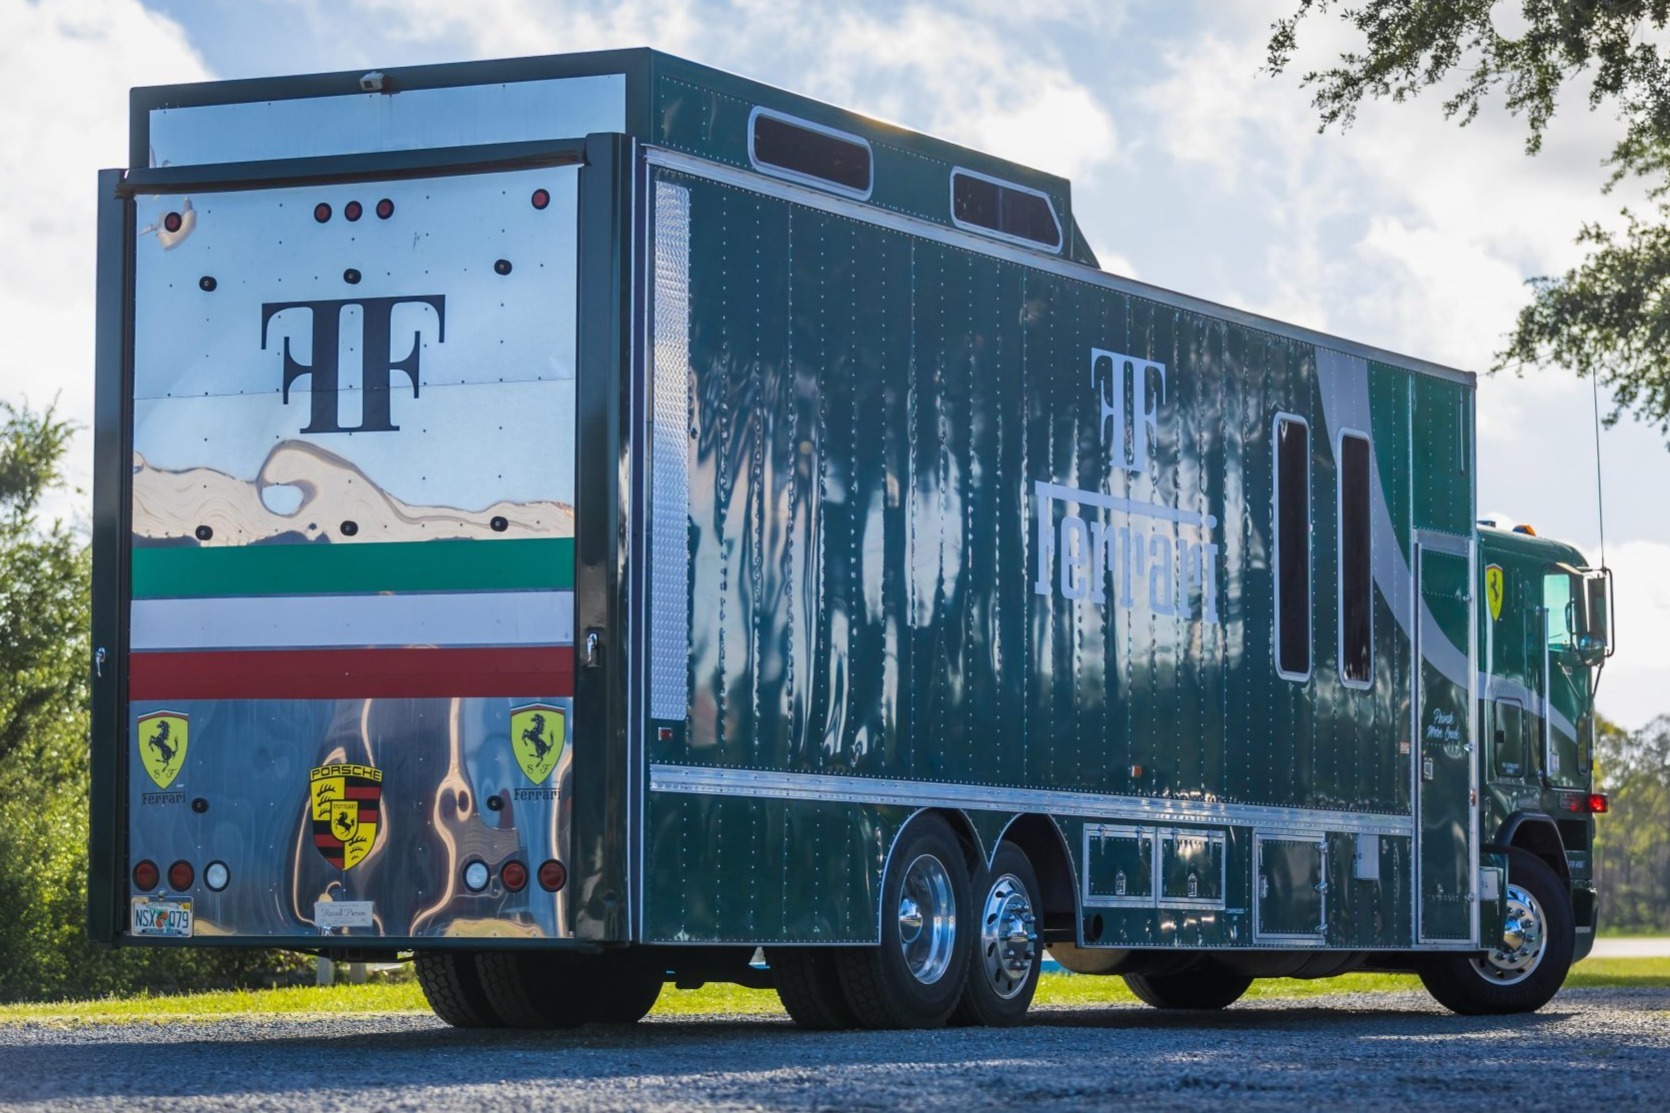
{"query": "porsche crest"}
pixel 346 802
pixel 162 744
pixel 537 733
pixel 1494 586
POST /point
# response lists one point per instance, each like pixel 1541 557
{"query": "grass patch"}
pixel 404 996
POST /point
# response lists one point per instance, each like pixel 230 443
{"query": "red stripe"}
pixel 352 673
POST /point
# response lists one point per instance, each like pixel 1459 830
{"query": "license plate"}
pixel 169 918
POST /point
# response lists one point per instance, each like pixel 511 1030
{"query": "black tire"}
pixel 1201 988
pixel 1006 900
pixel 879 982
pixel 527 989
pixel 810 988
pixel 452 986
pixel 1474 985
pixel 623 989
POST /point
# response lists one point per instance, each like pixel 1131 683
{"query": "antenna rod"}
pixel 1600 491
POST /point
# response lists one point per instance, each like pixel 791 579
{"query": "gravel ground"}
pixel 1606 1047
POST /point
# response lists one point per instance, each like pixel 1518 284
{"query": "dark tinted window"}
pixel 1000 208
pixel 815 154
pixel 1293 547
pixel 1356 582
pixel 1508 738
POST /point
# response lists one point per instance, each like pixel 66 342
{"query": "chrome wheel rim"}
pixel 927 919
pixel 1008 939
pixel 1524 938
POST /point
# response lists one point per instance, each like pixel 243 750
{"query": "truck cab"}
pixel 1545 623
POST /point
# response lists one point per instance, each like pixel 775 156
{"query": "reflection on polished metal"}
pixel 1008 939
pixel 927 919
pixel 1523 941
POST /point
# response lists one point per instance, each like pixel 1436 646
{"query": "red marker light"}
pixel 171 222
pixel 180 876
pixel 145 876
pixel 514 875
pixel 1598 803
pixel 353 210
pixel 385 209
pixel 321 212
pixel 541 198
pixel 553 875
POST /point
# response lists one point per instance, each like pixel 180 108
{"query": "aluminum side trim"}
pixel 920 794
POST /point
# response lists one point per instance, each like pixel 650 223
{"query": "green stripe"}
pixel 331 569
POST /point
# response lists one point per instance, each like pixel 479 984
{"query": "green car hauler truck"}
pixel 585 520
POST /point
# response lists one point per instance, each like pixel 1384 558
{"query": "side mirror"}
pixel 1594 642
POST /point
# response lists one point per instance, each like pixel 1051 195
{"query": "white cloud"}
pixel 65 70
pixel 979 72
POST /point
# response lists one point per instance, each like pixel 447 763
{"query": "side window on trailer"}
pixel 1356 576
pixel 1292 557
pixel 793 148
pixel 1011 211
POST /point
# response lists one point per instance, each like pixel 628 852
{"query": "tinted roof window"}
pixel 814 154
pixel 1005 209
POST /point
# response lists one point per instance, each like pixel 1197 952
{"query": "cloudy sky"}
pixel 1191 169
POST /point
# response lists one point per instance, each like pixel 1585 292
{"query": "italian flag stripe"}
pixel 455 619
pixel 521 564
pixel 353 674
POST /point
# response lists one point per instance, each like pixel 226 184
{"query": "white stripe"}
pixel 322 621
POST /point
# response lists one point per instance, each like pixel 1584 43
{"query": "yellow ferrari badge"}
pixel 537 733
pixel 1494 586
pixel 346 801
pixel 162 745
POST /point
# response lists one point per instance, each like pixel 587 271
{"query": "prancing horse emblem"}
pixel 537 734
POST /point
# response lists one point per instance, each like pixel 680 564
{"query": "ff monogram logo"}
pixel 322 366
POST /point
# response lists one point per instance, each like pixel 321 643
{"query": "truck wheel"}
pixel 1528 965
pixel 528 989
pixel 915 978
pixel 810 988
pixel 622 990
pixel 1003 973
pixel 1204 987
pixel 453 989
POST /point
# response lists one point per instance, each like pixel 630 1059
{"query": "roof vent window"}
pixel 1013 212
pixel 791 148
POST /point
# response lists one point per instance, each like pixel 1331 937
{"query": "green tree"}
pixel 1632 841
pixel 1608 317
pixel 44 591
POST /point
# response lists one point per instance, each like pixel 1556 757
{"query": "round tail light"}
pixel 553 875
pixel 321 212
pixel 476 875
pixel 145 876
pixel 385 209
pixel 180 876
pixel 541 198
pixel 216 876
pixel 353 210
pixel 514 875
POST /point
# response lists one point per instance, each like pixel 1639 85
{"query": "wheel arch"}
pixel 1536 834
pixel 1039 837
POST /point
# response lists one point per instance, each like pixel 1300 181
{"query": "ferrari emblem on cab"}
pixel 346 802
pixel 162 745
pixel 537 733
pixel 1494 585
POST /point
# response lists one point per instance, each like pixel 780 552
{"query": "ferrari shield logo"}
pixel 1494 585
pixel 537 732
pixel 162 745
pixel 346 801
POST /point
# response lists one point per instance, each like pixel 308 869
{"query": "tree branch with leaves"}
pixel 1609 316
